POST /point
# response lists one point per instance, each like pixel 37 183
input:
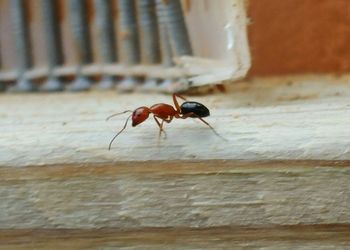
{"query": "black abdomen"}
pixel 198 109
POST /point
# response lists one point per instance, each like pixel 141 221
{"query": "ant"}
pixel 166 113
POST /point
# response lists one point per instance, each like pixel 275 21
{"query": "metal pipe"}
pixel 2 85
pixel 129 52
pixel 53 43
pixel 80 28
pixel 23 47
pixel 165 47
pixel 107 41
pixel 171 12
pixel 149 38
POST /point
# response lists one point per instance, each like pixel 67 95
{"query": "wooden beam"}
pixel 175 194
pixel 291 237
pixel 283 172
pixel 260 120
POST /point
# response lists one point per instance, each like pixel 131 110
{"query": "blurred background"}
pixel 299 36
pixel 286 37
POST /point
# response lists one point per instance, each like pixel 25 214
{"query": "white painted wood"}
pixel 218 33
pixel 281 181
pixel 257 119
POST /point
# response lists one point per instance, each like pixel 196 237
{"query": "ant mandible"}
pixel 166 113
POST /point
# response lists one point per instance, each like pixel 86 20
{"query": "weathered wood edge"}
pixel 261 120
pixel 170 167
pixel 175 194
pixel 335 235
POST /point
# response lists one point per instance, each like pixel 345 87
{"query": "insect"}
pixel 166 113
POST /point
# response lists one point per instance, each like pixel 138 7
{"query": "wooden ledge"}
pixel 302 236
pixel 266 119
pixel 286 166
pixel 175 194
pixel 170 168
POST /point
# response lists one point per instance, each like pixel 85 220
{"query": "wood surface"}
pixel 262 120
pixel 287 237
pixel 172 194
pixel 281 180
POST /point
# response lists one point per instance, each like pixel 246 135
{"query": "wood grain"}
pixel 281 180
pixel 175 194
pixel 307 119
pixel 287 237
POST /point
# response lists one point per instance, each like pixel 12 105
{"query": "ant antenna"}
pixel 126 111
pixel 126 123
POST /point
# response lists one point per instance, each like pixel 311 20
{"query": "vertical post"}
pixel 2 85
pixel 165 46
pixel 171 12
pixel 24 56
pixel 53 43
pixel 80 28
pixel 128 41
pixel 149 37
pixel 107 41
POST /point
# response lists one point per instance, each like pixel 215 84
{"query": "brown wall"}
pixel 299 36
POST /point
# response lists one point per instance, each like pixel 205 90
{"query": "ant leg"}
pixel 181 97
pixel 186 115
pixel 205 122
pixel 160 125
pixel 177 106
pixel 162 130
pixel 169 119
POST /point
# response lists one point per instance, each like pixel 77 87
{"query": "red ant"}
pixel 166 113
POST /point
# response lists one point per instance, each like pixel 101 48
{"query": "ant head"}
pixel 139 115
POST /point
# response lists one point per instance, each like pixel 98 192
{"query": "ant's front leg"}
pixel 160 125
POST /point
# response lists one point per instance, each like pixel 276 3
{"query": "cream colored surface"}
pixel 281 180
pixel 261 120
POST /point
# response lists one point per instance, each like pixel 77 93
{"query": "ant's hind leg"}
pixel 205 122
pixel 213 129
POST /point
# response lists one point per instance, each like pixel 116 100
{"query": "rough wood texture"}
pixel 171 194
pixel 300 237
pixel 286 166
pixel 305 120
